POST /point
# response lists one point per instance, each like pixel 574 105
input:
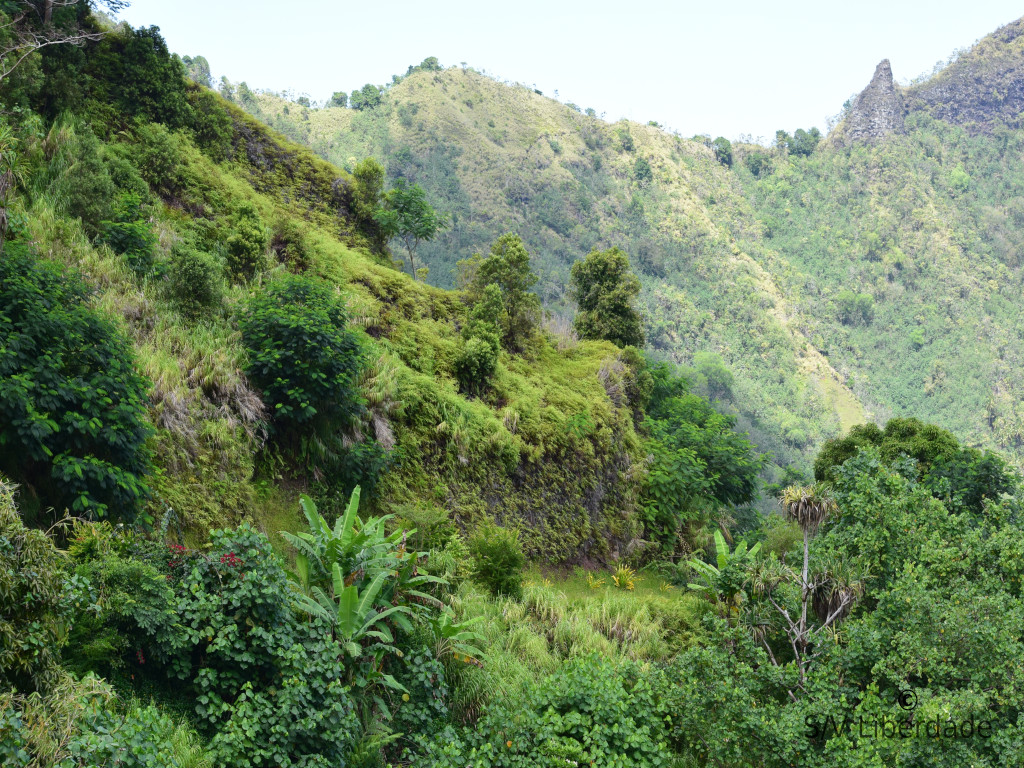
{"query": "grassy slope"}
pixel 504 158
pixel 750 268
pixel 547 446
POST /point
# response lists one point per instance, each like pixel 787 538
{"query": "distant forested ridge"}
pixel 867 274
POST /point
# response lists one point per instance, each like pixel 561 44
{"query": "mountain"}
pixel 504 158
pixel 871 274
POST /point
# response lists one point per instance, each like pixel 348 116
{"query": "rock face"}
pixel 878 110
pixel 983 88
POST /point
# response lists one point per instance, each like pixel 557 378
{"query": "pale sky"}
pixel 695 67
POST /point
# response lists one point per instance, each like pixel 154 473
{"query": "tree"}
pixel 198 70
pixel 26 26
pixel 854 308
pixel 830 591
pixel 715 374
pixel 605 290
pixel 508 267
pixel 804 142
pixel 700 464
pixel 305 361
pixel 408 216
pixel 368 97
pixel 367 195
pixel 247 244
pixel 478 358
pixel 722 148
pixel 925 443
pixel 642 172
pixel 339 99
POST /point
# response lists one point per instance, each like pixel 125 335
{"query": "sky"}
pixel 743 69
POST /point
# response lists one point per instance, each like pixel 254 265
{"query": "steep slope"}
pixel 983 88
pixel 503 158
pixel 546 446
pixel 905 244
pixel 877 275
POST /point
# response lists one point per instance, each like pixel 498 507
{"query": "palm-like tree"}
pixel 835 586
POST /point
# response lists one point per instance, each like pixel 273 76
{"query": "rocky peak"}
pixel 878 110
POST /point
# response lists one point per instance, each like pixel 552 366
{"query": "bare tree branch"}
pixel 32 29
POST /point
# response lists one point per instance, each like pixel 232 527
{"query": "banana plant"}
pixel 353 612
pixel 361 550
pixel 724 583
pixel 452 638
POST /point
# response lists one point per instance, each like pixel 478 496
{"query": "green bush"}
pixel 130 599
pixel 247 245
pixel 605 290
pixel 476 363
pixel 302 357
pixel 134 70
pixel 72 408
pixel 507 267
pixel 268 681
pixel 195 281
pixel 498 560
pixel 129 234
pixel 589 712
pixel 157 153
pixel 35 602
pixel 87 186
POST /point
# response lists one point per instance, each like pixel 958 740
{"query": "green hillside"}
pixel 757 262
pixel 503 158
pixel 267 500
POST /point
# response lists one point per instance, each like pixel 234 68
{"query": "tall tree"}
pixel 408 216
pixel 508 267
pixel 605 289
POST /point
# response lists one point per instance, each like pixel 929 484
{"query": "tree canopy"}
pixel 508 267
pixel 605 290
pixel 406 215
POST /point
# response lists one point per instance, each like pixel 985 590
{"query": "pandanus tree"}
pixel 829 592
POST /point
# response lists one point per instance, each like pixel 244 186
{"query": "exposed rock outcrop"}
pixel 877 112
pixel 983 88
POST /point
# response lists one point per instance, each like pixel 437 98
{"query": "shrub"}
pixel 135 71
pixel 587 713
pixel 498 560
pixel 605 290
pixel 722 148
pixel 129 234
pixel 270 682
pixel 195 281
pixel 508 268
pixel 302 357
pixel 290 245
pixel 35 602
pixel 72 414
pixel 476 363
pixel 247 246
pixel 855 308
pixel 87 186
pixel 157 153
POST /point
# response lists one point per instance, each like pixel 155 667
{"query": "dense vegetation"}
pixel 269 499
